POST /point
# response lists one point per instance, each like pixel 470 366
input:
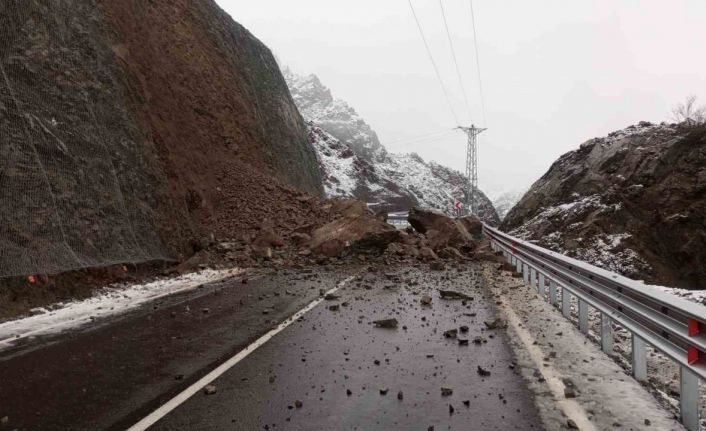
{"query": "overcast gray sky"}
pixel 555 73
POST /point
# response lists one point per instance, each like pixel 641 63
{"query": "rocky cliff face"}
pixel 632 202
pixel 354 163
pixel 130 130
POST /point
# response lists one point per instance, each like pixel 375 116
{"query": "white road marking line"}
pixel 187 393
pixel 572 409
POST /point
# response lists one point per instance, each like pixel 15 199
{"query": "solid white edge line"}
pixel 570 407
pixel 187 393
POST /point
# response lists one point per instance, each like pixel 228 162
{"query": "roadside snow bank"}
pixel 111 300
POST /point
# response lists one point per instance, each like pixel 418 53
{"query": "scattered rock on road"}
pixel 210 389
pixel 426 300
pixel 451 333
pixel 452 294
pixel 496 323
pixel 386 323
pixel 483 372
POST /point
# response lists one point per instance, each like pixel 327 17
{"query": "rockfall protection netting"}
pixel 75 185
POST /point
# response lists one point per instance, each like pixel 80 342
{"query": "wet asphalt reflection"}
pixel 445 365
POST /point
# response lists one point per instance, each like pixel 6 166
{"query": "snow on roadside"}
pixel 692 295
pixel 111 300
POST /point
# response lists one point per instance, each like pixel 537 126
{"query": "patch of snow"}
pixel 111 300
pixel 605 251
pixel 692 295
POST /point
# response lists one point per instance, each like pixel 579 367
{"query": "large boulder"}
pixel 443 231
pixel 357 230
pixel 473 225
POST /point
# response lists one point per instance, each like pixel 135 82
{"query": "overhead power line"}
pixel 420 137
pixel 433 63
pixel 453 54
pixel 475 45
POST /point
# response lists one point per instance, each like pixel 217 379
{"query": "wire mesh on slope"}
pixel 74 181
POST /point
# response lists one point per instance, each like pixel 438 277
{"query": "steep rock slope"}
pixel 131 130
pixel 632 202
pixel 354 162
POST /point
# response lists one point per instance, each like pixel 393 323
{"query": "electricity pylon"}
pixel 472 167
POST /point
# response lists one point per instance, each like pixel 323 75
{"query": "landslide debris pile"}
pixel 354 163
pixel 344 230
pixel 633 202
pixel 135 131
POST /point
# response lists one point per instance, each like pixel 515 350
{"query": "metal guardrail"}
pixel 672 325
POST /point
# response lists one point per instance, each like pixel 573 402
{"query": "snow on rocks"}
pixel 630 202
pixel 607 251
pixel 111 300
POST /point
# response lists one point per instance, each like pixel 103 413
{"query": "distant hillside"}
pixel 354 162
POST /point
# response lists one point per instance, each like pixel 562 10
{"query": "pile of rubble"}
pixel 349 232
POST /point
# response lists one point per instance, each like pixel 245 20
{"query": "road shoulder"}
pixel 571 377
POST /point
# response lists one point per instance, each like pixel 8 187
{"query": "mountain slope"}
pixel 354 162
pixel 632 202
pixel 132 131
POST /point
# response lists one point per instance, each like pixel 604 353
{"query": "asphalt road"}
pixel 333 369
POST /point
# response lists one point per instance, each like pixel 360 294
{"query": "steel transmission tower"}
pixel 472 167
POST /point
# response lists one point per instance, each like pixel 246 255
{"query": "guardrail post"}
pixel 566 302
pixel 533 279
pixel 583 316
pixel 639 358
pixel 540 285
pixel 606 334
pixel 525 272
pixel 689 399
pixel 552 292
pixel 518 264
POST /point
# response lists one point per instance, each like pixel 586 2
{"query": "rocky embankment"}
pixel 139 131
pixel 633 202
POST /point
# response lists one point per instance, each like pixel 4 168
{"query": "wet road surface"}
pixel 333 369
pixel 115 373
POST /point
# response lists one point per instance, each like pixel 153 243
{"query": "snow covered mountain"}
pixel 504 202
pixel 354 163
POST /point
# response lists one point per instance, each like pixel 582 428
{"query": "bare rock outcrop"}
pixel 632 202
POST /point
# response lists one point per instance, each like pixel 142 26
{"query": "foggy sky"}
pixel 555 73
